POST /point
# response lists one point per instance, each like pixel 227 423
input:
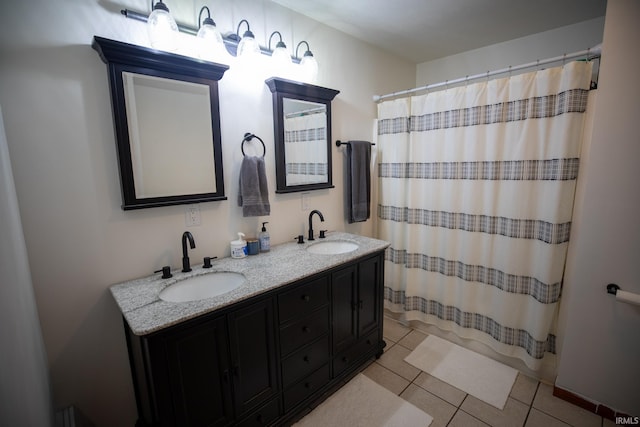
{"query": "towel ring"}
pixel 248 137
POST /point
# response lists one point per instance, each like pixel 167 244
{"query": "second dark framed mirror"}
pixel 302 131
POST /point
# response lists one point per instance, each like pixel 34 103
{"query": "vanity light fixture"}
pixel 308 63
pixel 280 58
pixel 162 28
pixel 211 46
pixel 241 47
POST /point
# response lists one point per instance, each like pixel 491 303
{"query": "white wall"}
pixel 601 349
pixel 549 44
pixel 25 396
pixel 55 99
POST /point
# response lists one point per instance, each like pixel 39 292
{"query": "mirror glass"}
pixel 169 124
pixel 302 132
pixel 305 142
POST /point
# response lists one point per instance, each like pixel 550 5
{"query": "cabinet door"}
pixel 369 283
pixel 198 369
pixel 344 307
pixel 253 355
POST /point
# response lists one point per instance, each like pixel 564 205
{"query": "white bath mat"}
pixel 363 402
pixel 473 373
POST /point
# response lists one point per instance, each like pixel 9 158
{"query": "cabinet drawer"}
pixel 305 360
pixel 303 299
pixel 263 416
pixel 301 332
pixel 365 346
pixel 306 387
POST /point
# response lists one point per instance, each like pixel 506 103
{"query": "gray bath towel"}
pixel 359 180
pixel 253 194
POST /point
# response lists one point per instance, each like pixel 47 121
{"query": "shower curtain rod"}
pixel 587 54
pixel 310 111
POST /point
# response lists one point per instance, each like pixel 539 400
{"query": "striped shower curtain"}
pixel 475 193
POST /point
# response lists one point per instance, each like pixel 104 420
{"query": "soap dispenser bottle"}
pixel 265 240
pixel 239 247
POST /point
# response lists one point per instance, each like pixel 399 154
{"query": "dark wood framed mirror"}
pixel 167 125
pixel 302 131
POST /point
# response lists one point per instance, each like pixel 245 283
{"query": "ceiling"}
pixel 423 30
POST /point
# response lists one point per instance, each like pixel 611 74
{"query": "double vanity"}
pixel 254 341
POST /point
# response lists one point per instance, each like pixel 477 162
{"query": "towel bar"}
pixel 248 137
pixel 339 143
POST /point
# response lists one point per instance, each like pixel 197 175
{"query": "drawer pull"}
pixel 260 419
pixel 306 298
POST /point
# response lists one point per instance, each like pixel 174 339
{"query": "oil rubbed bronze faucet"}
pixel 186 267
pixel 315 211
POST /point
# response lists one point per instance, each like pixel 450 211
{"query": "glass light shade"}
pixel 281 61
pixel 162 29
pixel 248 46
pixel 211 47
pixel 309 67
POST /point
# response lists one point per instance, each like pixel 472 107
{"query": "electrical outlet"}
pixel 304 197
pixel 192 216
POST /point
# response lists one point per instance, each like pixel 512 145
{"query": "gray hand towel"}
pixel 359 180
pixel 253 194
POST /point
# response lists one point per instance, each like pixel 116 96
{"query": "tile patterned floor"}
pixel 530 404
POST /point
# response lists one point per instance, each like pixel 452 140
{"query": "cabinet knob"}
pixel 307 385
pixel 306 329
pixel 260 419
pixel 345 359
pixel 306 298
pixel 306 359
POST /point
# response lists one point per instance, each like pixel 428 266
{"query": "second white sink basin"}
pixel 201 287
pixel 332 247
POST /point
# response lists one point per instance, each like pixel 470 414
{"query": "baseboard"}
pixel 596 408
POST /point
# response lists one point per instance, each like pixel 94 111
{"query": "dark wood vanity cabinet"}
pixel 206 372
pixel 264 360
pixel 356 312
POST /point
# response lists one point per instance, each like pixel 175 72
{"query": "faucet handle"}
pixel 166 272
pixel 300 239
pixel 322 235
pixel 207 261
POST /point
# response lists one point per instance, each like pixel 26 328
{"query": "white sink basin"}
pixel 201 287
pixel 332 247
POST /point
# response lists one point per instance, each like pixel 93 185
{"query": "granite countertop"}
pixel 286 263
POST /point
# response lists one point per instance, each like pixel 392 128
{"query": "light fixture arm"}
pixel 307 53
pixel 247 33
pixel 280 43
pixel 207 20
pixel 159 5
